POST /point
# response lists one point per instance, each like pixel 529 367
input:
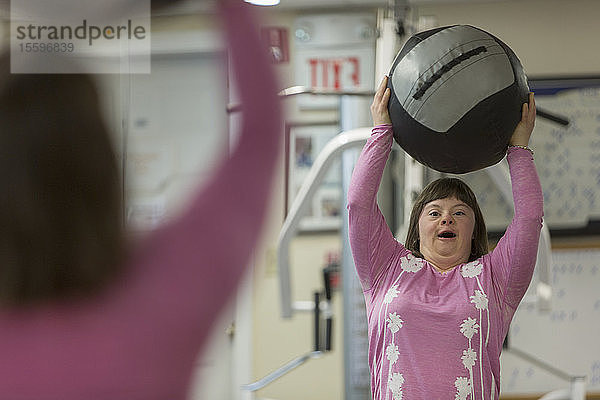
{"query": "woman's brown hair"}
pixel 441 189
pixel 60 191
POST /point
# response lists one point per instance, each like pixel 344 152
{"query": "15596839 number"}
pixel 35 47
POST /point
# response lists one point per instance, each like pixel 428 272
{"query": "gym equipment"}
pixel 457 93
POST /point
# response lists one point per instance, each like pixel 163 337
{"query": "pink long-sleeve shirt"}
pixel 140 338
pixel 438 335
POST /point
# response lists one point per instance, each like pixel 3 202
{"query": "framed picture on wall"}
pixel 304 142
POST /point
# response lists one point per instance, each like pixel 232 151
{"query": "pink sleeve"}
pixel 371 240
pixel 513 259
pixel 194 264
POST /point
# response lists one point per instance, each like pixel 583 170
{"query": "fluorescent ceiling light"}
pixel 263 2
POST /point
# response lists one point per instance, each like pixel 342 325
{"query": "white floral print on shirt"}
pixel 463 388
pixel 392 353
pixel 469 327
pixel 480 300
pixel 468 358
pixel 472 269
pixel 411 263
pixel 394 322
pixel 391 294
pixel 395 385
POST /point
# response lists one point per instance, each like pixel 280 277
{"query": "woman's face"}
pixel 445 232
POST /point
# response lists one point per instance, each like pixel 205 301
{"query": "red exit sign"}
pixel 334 73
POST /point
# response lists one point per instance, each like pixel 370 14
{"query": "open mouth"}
pixel 447 235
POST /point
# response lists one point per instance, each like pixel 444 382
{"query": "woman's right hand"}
pixel 379 107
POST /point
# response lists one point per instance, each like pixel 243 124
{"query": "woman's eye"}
pixel 460 213
pixel 434 214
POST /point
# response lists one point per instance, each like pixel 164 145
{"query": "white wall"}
pixel 551 37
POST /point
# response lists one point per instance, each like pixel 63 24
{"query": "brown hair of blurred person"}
pixel 60 191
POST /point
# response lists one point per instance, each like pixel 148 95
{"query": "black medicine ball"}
pixel 457 93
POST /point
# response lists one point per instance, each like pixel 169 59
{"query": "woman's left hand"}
pixel 522 132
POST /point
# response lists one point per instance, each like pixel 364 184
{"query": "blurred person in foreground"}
pixel 82 314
